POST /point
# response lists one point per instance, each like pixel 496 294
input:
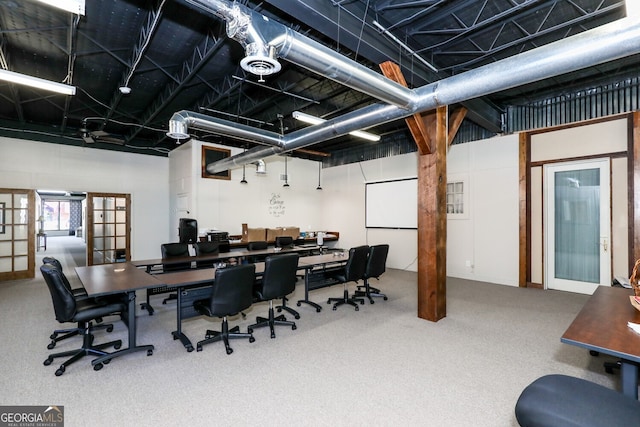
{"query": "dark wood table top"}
pixel 221 256
pixel 601 325
pixel 113 278
pixel 197 276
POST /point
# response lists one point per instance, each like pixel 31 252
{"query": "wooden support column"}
pixel 432 224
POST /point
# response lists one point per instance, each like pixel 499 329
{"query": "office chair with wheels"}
pixel 257 246
pixel 284 242
pixel 81 311
pixel 376 263
pixel 206 248
pixel 232 293
pixel 353 271
pixel 278 280
pixel 79 293
pixel 173 250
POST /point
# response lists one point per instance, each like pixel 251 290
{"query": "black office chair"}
pixel 79 293
pixel 232 293
pixel 284 242
pixel 257 246
pixel 81 311
pixel 173 250
pixel 206 248
pixel 278 280
pixel 376 264
pixel 353 271
pixel 561 400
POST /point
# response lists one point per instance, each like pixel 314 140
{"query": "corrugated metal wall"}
pixel 599 101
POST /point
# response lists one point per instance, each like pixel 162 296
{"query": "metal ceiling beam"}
pixel 205 50
pixel 144 39
pixel 15 96
pixel 325 19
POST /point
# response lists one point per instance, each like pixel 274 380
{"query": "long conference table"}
pixel 601 327
pixel 190 285
pixel 219 257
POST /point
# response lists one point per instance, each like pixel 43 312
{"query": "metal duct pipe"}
pixel 251 28
pixel 182 120
pixel 606 43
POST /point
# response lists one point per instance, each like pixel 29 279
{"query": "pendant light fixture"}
pixel 286 176
pixel 244 177
pixel 319 187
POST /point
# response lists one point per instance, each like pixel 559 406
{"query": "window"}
pixel 56 215
pixel 457 198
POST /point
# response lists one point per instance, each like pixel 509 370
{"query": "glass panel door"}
pixel 108 224
pixel 17 234
pixel 577 226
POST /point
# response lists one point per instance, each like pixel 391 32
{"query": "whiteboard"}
pixel 392 204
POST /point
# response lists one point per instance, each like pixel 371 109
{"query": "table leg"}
pixel 131 326
pixel 177 334
pixel 306 299
pixel 629 375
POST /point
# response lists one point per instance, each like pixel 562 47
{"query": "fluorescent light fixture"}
pixel 313 120
pixel 633 8
pixel 73 6
pixel 23 79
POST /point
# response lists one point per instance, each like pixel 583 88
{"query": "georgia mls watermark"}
pixel 31 416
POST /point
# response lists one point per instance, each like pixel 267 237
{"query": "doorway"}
pixel 577 218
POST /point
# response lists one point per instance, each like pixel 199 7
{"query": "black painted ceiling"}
pixel 174 57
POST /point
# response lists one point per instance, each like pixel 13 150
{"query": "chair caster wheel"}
pixel 294 327
pixel 189 349
pixel 249 330
pixel 109 328
pixel 198 348
pixel 229 350
pixel 385 298
pixel 106 362
pixel 318 310
pixel 297 316
pixel 335 308
pixel 47 361
pixel 53 336
pixel 273 336
pixel 149 352
pixel 357 309
pixel 60 371
pixel 298 304
pixel 117 346
pixel 372 302
pixel 97 366
pixel 51 345
pixel 251 339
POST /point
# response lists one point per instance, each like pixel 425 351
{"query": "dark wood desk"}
pixel 192 285
pixel 601 326
pixel 113 279
pixel 318 269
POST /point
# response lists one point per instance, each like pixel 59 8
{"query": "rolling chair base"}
pixel 346 300
pixel 271 321
pixel 87 349
pixel 285 307
pixel 225 335
pixel 68 333
pixel 369 292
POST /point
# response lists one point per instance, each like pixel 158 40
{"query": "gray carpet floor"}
pixel 380 366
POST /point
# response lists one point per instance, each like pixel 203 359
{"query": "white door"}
pixel 577 225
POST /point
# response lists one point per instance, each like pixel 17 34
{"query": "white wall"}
pixel 37 165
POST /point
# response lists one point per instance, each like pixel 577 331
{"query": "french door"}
pixel 108 228
pixel 577 225
pixel 17 234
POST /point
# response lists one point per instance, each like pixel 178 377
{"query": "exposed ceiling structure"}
pixel 136 63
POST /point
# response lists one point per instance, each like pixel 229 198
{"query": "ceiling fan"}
pixel 93 136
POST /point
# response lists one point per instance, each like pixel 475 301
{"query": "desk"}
pixel 148 264
pixel 192 285
pixel 318 269
pixel 109 279
pixel 601 326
